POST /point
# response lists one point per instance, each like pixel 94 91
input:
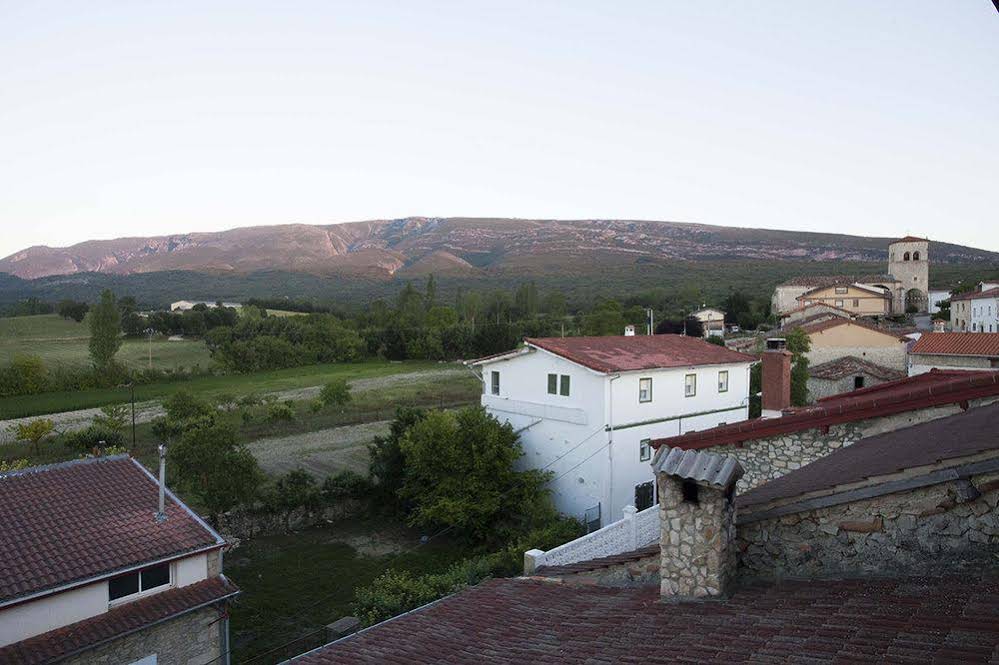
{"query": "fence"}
pixel 634 530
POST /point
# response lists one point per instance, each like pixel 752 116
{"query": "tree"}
pixel 70 309
pixel 295 489
pixel 460 473
pixel 431 295
pixel 214 468
pixel 112 417
pixel 105 331
pixel 607 318
pixel 33 431
pixel 387 466
pixel 525 301
pixel 335 393
pixel 798 344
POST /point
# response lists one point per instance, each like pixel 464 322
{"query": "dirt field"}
pixel 320 453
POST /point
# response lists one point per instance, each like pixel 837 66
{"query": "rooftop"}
pixel 974 295
pixel 829 280
pixel 821 322
pixel 911 239
pixel 74 521
pixel 957 344
pixel 934 388
pixel 880 294
pixel 956 436
pixel 915 620
pixel 850 365
pixel 621 353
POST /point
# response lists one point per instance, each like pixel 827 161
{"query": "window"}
pixel 915 256
pixel 840 290
pixel 856 302
pixel 139 581
pixel 690 385
pixel 723 381
pixel 839 303
pixel 494 383
pixel 553 384
pixel 645 450
pixel 905 257
pixel 645 390
pixel 645 495
pixel 858 382
pixel 563 385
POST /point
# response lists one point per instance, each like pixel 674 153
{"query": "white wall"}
pixel 56 610
pixel 984 315
pixel 567 435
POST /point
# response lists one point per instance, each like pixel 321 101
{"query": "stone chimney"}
pixel 629 331
pixel 776 379
pixel 697 518
pixel 939 325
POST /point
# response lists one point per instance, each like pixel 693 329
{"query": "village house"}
pixel 185 305
pixel 954 350
pixel 881 551
pixel 813 312
pixel 858 300
pixel 102 565
pixel 975 311
pixel 835 337
pixel 845 374
pixel 586 409
pixel 712 321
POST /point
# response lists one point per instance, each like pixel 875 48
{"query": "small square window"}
pixel 856 302
pixel 839 303
pixel 690 385
pixel 553 384
pixel 155 576
pixel 123 585
pixel 645 450
pixel 840 289
pixel 723 381
pixel 645 390
pixel 495 383
pixel 563 385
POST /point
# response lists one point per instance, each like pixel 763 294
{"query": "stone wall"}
pixel 819 388
pixel 929 361
pixel 698 558
pixel 893 356
pixel 772 457
pixel 641 572
pixel 915 532
pixel 191 639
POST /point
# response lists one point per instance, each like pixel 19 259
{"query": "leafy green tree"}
pixel 94 437
pixel 295 489
pixel 335 393
pixel 70 309
pixel 210 465
pixel 387 465
pixel 430 298
pixel 442 316
pixel 798 344
pixel 184 405
pixel 33 431
pixel 105 331
pixel 133 324
pixel 113 417
pixel 25 375
pixel 460 473
pixel 607 318
pixel 525 300
pixel 555 304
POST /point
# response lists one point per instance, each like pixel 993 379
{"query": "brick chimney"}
pixel 697 519
pixel 776 379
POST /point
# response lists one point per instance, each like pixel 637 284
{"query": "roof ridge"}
pixel 65 464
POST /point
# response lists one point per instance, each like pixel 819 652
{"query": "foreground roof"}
pixel 73 521
pixel 118 621
pixel 933 388
pixel 908 620
pixel 623 353
pixel 850 365
pixel 958 344
pixel 953 437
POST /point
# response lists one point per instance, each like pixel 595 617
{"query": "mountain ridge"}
pixel 465 246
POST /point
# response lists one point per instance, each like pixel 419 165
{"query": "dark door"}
pixel 644 496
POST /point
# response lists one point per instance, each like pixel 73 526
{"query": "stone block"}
pixel 876 524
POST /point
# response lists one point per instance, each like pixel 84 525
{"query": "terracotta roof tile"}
pixel 939 440
pixel 829 280
pixel 920 620
pixel 957 344
pixel 918 392
pixel 62 642
pixel 975 295
pixel 849 365
pixel 621 353
pixel 912 239
pixel 826 322
pixel 600 562
pixel 76 520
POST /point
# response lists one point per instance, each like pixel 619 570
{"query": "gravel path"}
pixel 69 421
pixel 320 453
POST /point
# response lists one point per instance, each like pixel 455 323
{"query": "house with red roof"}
pixel 954 350
pixel 100 563
pixel 976 311
pixel 587 408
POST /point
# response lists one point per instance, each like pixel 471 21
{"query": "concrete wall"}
pixel 985 315
pixel 914 532
pixel 922 363
pixel 191 639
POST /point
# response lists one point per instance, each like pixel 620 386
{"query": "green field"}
pixel 60 341
pixel 207 386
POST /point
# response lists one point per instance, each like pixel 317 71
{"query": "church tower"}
pixel 909 263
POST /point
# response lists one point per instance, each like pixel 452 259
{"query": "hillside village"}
pixel 853 439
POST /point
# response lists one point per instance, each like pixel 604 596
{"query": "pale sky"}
pixel 142 118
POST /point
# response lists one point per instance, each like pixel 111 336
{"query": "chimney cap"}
pixel 721 471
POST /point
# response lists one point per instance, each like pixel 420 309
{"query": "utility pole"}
pixel 149 336
pixel 131 388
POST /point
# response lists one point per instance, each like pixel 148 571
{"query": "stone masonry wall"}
pixel 696 542
pixel 819 388
pixel 915 532
pixel 642 572
pixel 769 458
pixel 191 639
pixel 886 356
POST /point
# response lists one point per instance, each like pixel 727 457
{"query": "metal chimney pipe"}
pixel 161 513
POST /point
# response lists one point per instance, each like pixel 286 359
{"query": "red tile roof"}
pixel 905 620
pixel 974 295
pixel 828 280
pixel 121 620
pixel 958 344
pixel 623 353
pixel 934 388
pixel 912 239
pixel 802 308
pixel 957 436
pixel 880 294
pixel 72 521
pixel 850 365
pixel 826 322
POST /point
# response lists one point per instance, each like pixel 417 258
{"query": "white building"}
pixel 976 311
pixel 586 408
pixel 713 320
pixel 185 305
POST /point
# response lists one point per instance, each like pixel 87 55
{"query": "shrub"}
pixel 183 405
pixel 335 393
pixel 295 489
pixel 33 431
pixel 278 412
pixel 113 417
pixel 89 438
pixel 13 465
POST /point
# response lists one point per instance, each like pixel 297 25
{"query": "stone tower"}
pixel 909 263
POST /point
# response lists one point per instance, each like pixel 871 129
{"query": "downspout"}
pixel 610 446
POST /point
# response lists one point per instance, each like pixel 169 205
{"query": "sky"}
pixel 148 118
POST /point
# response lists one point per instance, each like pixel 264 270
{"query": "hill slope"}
pixel 382 249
